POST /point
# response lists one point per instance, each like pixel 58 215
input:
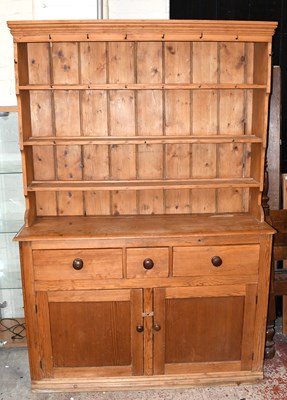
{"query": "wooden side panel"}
pixel 248 327
pixel 261 60
pixel 204 122
pixel 39 63
pixel 232 62
pixel 27 273
pixel 261 309
pixel 45 344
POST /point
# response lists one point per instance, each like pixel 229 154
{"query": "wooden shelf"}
pixel 142 225
pixel 156 139
pixel 144 86
pixel 214 183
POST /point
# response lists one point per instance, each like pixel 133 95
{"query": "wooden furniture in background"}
pixel 145 255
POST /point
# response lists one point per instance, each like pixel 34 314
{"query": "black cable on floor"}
pixel 16 330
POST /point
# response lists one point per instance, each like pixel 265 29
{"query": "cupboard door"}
pixel 91 333
pixel 204 329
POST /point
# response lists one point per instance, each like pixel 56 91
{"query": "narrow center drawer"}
pixel 202 260
pixel 77 264
pixel 147 262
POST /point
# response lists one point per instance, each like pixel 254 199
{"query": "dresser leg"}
pixel 269 351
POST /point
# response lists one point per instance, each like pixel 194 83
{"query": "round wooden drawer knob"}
pixel 140 328
pixel 78 263
pixel 216 261
pixel 148 263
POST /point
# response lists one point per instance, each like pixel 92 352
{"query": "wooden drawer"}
pixel 147 262
pixel 200 260
pixel 63 264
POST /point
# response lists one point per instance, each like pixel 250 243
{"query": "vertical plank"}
pixel 70 203
pixel 69 163
pixel 43 161
pixel 159 336
pixel 149 62
pixel 41 113
pixel 46 203
pixel 121 62
pixel 177 65
pixel 44 169
pixel 65 63
pixel 122 157
pixel 67 113
pixel 150 156
pixel 94 111
pixel 249 77
pixel 232 108
pixel 177 62
pixel 263 294
pixel 248 327
pixel 177 156
pixel 27 273
pixel 148 332
pixel 94 122
pixel 45 347
pixel 121 104
pixel 68 123
pixel 204 122
pixel 137 337
pixel 93 62
pixel 232 62
pixel 38 63
pixel 149 117
pixel 232 112
pixel 69 167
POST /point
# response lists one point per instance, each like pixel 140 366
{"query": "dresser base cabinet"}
pixel 145 309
